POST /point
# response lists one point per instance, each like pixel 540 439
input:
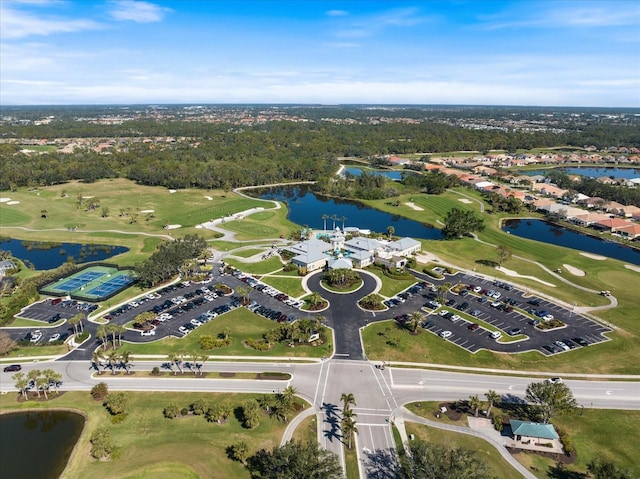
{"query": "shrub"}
pixel 99 391
pixel 290 267
pixel 567 442
pixel 118 418
pixel 433 274
pixel 101 446
pixel 257 344
pixel 211 342
pixel 83 336
pixel 171 411
pixel 155 371
pixel 239 452
pixel 200 407
pixel 116 403
pixel 184 411
pixel 497 422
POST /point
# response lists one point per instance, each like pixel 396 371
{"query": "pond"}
pixel 546 232
pixel 37 444
pixel 43 255
pixel 392 175
pixel 627 173
pixel 307 208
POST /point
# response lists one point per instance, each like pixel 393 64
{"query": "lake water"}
pixel 627 173
pixel 43 255
pixel 37 445
pixel 546 232
pixel 307 208
pixel 392 175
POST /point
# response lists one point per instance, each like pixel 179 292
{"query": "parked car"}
pixel 555 380
pixel 473 326
pixel 496 335
pixel 36 336
pixel 514 331
pixel 581 341
pixel 151 332
pixel 54 337
pixel 12 368
pixel 445 334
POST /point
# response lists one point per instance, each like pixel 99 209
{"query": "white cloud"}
pixel 337 13
pixel 373 24
pixel 135 11
pixel 15 23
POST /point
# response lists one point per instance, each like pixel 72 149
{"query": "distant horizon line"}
pixel 319 105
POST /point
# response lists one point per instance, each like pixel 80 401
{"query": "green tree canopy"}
pixel 551 398
pixel 295 460
pixel 423 460
pixel 460 223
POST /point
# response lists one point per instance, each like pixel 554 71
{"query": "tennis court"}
pixel 93 283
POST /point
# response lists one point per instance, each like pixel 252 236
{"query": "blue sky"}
pixel 564 53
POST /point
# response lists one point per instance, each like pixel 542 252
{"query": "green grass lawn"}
pixel 155 447
pixel 45 350
pixel 270 265
pixel 390 286
pixel 289 286
pixel 306 430
pixel 247 253
pixel 351 463
pixel 498 466
pixel 261 225
pixel 243 325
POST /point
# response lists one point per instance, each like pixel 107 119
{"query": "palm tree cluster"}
pixel 348 418
pixel 341 277
pixel 40 380
pixel 113 330
pixel 112 359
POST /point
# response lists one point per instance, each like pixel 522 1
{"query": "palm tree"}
pixel 324 222
pixel 112 357
pixel 21 384
pixel 415 318
pixel 390 231
pixel 73 321
pixel 492 398
pixel 442 291
pixel 42 383
pixel 344 218
pixel 173 359
pixel 244 292
pixel 334 217
pixel 102 333
pixel 112 329
pixel 348 430
pixel 95 360
pixel 180 355
pixel 475 403
pixel 347 399
pixel 125 359
pixel 288 394
pixel 120 329
pixel 226 333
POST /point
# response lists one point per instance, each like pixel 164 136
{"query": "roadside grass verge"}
pixel 45 350
pixel 306 430
pixel 247 253
pixel 152 446
pixel 351 462
pixel 243 325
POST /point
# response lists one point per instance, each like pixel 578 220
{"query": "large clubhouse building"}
pixel 334 251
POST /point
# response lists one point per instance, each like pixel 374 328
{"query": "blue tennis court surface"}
pixel 110 286
pixel 95 283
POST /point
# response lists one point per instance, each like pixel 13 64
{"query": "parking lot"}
pixel 496 316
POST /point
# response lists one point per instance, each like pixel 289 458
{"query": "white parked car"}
pixel 195 322
pixel 496 295
pixel 477 289
pixel 548 317
pixel 443 313
pixel 555 380
pixel 54 337
pixel 454 318
pixel 183 330
pixel 496 335
pixel 445 334
pixel 151 332
pixel 36 336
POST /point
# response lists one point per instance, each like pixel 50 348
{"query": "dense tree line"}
pixel 225 155
pixel 592 187
pixel 431 182
pixel 367 186
pixel 168 258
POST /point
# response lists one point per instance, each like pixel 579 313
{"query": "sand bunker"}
pixel 172 227
pixel 209 198
pixel 632 267
pixel 13 202
pixel 594 256
pixel 510 272
pixel 147 211
pixel 172 191
pixel 573 271
pixel 4 200
pixel 465 201
pixel 414 206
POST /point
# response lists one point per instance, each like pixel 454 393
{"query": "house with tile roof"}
pixel 529 433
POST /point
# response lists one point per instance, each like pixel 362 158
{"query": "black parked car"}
pixel 12 368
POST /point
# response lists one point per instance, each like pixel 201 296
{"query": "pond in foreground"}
pixel 37 444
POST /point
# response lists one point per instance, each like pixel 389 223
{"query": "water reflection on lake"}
pixel 546 232
pixel 307 208
pixel 37 444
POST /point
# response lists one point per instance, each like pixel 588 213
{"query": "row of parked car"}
pixel 566 344
pixel 405 295
pixel 272 314
pixel 207 316
pixel 266 289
